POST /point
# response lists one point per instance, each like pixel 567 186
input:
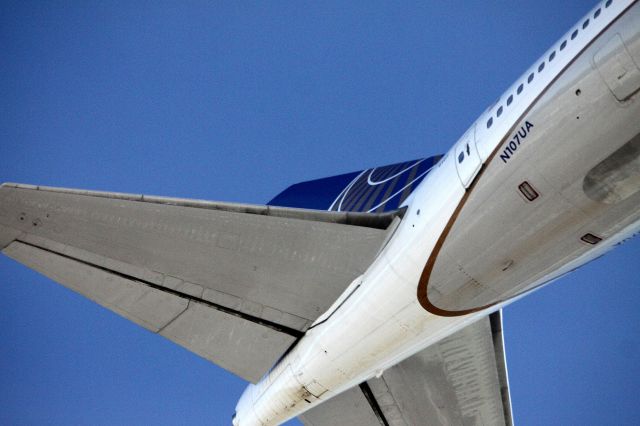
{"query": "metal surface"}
pixel 235 284
pixel 349 408
pixel 459 381
pixel 468 160
pixel 499 244
pixel 152 309
pixel 378 221
pixel 282 268
pixel 454 382
pixel 243 347
pixel 617 177
pixel 617 68
pixel 217 336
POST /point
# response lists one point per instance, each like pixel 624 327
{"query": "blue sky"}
pixel 235 101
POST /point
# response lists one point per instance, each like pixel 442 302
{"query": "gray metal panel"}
pixel 7 235
pixel 454 382
pixel 217 336
pixel 617 68
pixel 146 306
pixel 282 265
pixel 461 380
pixel 240 346
pixel 349 408
pixel 379 221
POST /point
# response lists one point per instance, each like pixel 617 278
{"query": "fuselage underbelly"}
pixel 558 187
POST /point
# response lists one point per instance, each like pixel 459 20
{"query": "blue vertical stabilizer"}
pixel 378 189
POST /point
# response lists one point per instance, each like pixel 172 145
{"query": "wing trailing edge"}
pixel 236 284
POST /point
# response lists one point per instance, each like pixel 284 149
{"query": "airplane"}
pixel 524 133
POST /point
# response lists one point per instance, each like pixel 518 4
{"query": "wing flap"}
pixel 453 382
pixel 461 380
pixel 218 336
pixel 243 347
pixel 152 309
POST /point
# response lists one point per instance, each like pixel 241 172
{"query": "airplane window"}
pixel 596 14
pixel 608 3
pixel 499 113
pixel 563 45
pixel 530 79
pixel 520 88
pixel 489 123
pixel 509 100
pixel 461 157
pixel 552 56
pixel 586 24
pixel 574 35
pixel 541 67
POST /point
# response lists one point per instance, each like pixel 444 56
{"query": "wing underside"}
pixel 461 380
pixel 239 284
pixel 236 284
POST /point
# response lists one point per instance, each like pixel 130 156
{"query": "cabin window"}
pixel 490 123
pixel 574 34
pixel 552 56
pixel 499 113
pixel 520 88
pixel 563 45
pixel 608 3
pixel 540 67
pixel 530 79
pixel 509 100
pixel 586 24
pixel 596 14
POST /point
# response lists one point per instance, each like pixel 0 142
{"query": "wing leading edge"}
pixel 462 380
pixel 216 278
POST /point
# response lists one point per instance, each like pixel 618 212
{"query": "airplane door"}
pixel 467 158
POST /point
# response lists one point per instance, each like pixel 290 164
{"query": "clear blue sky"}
pixel 235 102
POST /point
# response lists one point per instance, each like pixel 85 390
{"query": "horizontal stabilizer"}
pixel 236 284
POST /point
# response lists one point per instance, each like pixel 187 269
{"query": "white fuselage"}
pixel 380 320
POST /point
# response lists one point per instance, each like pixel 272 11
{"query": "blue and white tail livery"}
pixel 375 190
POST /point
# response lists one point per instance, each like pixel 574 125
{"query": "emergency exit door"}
pixel 467 158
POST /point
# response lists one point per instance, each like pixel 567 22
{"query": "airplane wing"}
pixel 236 284
pixel 461 380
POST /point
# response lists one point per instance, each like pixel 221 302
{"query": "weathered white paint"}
pixel 383 323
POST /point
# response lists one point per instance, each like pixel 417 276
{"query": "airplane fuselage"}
pixel 543 182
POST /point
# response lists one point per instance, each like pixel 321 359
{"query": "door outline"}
pixel 467 158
